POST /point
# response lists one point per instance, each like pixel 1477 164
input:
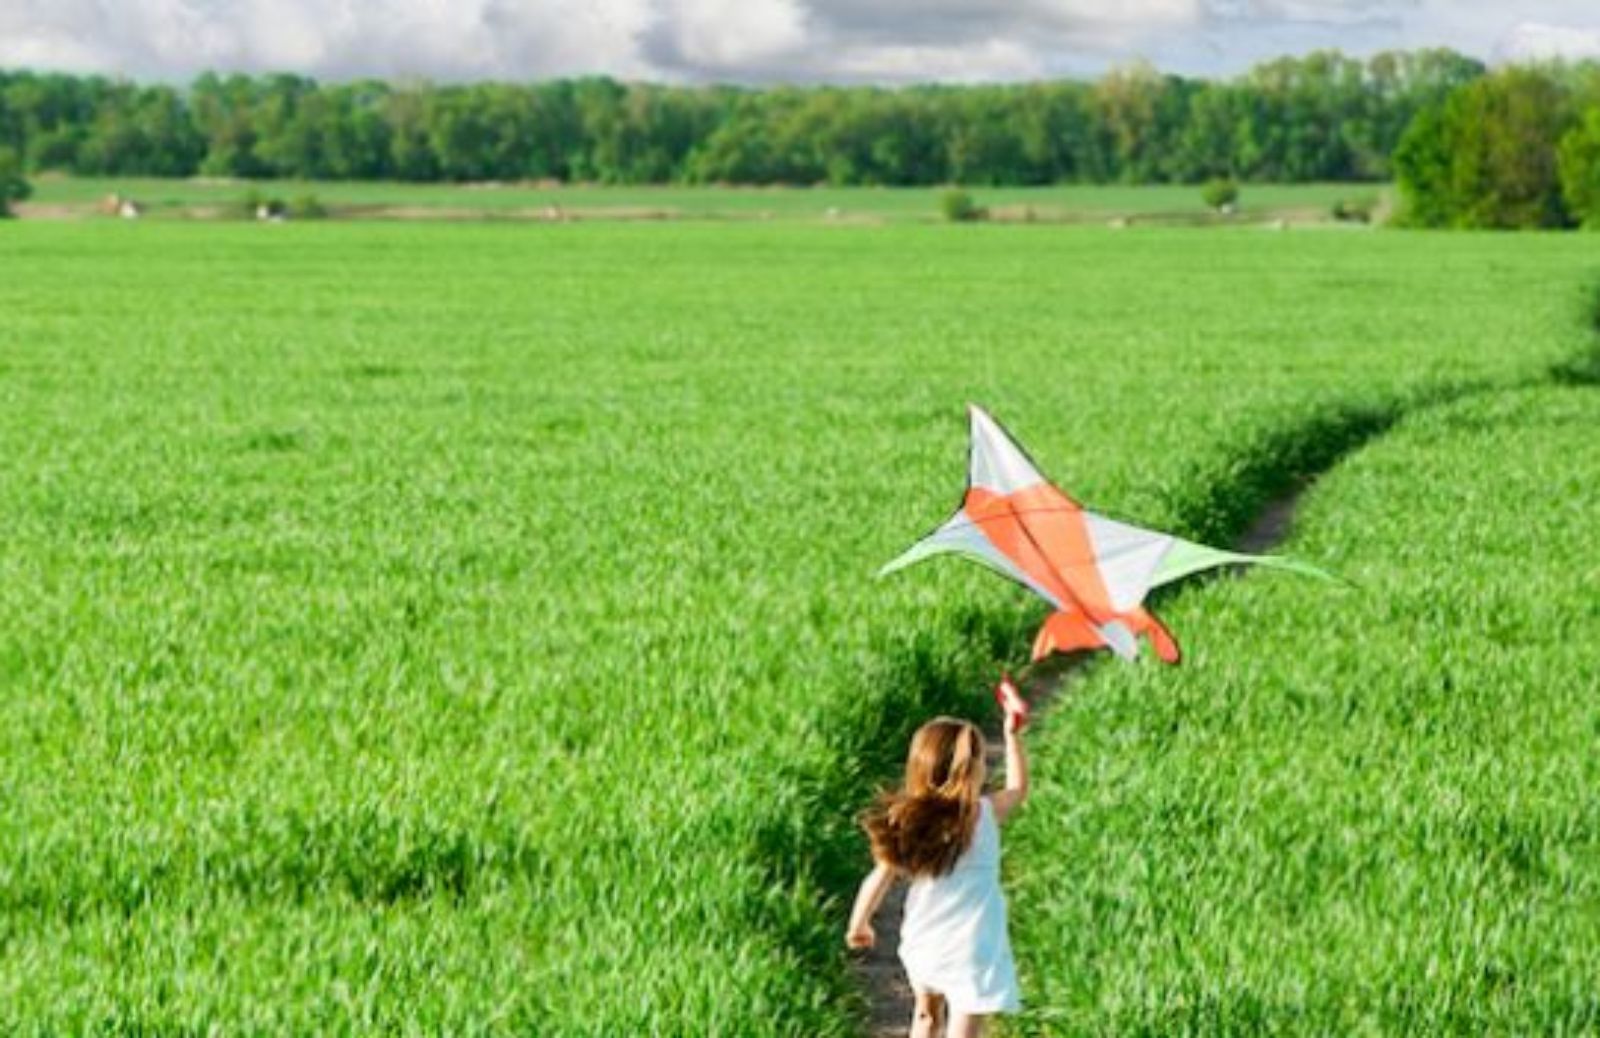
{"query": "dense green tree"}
pixel 1580 170
pixel 1512 124
pixel 738 151
pixel 1399 85
pixel 557 131
pixel 509 121
pixel 458 133
pixel 1127 102
pixel 1050 120
pixel 1219 193
pixel 597 102
pixel 141 132
pixel 355 139
pixel 283 111
pixel 13 186
pixel 902 145
pixel 983 146
pixel 45 116
pixel 1488 156
pixel 222 111
pixel 411 155
pixel 1422 165
pixel 1209 140
pixel 293 133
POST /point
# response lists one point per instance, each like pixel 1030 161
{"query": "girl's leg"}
pixel 968 1025
pixel 927 1019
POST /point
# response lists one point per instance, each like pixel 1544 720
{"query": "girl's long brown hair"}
pixel 922 829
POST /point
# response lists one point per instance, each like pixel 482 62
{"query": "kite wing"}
pixel 996 468
pixel 1134 560
pixel 961 535
pixel 1186 558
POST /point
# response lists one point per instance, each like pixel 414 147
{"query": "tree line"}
pixel 1518 148
pixel 1321 116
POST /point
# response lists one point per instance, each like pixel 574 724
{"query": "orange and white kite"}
pixel 1094 571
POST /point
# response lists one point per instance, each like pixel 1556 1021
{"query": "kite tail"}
pixel 1143 621
pixel 1073 632
pixel 1065 632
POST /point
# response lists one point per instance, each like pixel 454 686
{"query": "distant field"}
pixel 62 196
pixel 423 628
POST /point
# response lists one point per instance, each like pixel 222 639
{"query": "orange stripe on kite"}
pixel 1045 535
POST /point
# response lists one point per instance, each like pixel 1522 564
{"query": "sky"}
pixel 758 41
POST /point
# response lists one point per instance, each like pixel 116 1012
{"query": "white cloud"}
pixel 991 60
pixel 731 34
pixel 1535 41
pixel 447 39
pixel 754 40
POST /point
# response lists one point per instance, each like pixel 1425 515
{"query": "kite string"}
pixel 988 370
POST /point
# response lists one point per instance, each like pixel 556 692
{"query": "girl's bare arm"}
pixel 868 898
pixel 1016 791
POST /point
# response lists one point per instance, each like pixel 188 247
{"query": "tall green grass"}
pixel 471 628
pixel 1366 811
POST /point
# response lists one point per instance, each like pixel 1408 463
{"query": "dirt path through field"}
pixel 879 971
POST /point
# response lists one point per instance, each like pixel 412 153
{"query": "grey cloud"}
pixel 899 40
pixel 1310 12
pixel 948 21
pixel 1033 23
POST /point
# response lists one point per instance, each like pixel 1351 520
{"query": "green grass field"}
pixel 170 198
pixel 420 628
pixel 1367 812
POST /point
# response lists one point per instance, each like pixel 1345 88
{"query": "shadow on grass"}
pixel 1583 370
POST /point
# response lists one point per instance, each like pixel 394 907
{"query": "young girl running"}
pixel 942 834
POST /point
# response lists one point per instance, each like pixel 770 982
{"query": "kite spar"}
pixel 1094 571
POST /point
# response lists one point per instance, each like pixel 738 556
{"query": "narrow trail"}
pixel 878 971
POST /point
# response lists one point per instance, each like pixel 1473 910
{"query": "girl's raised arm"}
pixel 1016 791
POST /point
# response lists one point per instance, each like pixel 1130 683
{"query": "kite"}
pixel 1094 571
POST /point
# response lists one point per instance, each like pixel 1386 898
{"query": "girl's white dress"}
pixel 953 940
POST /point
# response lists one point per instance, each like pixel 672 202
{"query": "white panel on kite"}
pixel 998 465
pixel 1119 639
pixel 1127 557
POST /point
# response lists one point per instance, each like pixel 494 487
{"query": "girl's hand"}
pixel 1010 699
pixel 861 937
